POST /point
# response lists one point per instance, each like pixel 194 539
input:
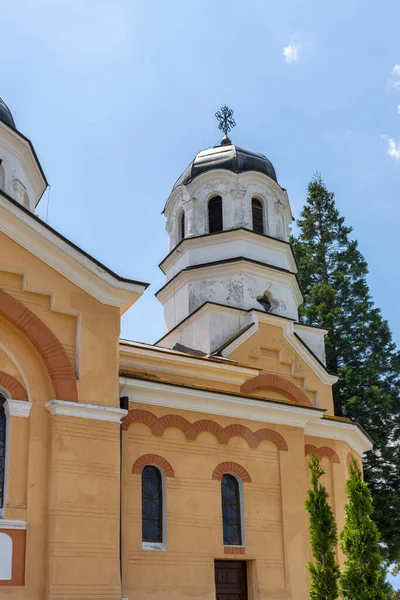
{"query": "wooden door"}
pixel 230 580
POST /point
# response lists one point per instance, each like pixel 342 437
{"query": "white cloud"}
pixel 395 77
pixel 398 109
pixel 291 53
pixel 393 148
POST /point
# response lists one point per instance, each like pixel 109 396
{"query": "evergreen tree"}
pixel 359 347
pixel 324 571
pixel 363 577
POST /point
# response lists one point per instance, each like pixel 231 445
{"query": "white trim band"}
pixel 86 411
pixel 17 408
pixel 12 524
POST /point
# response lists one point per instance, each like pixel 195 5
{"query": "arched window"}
pixel 258 217
pixel 2 446
pixel 231 513
pixel 2 178
pixel 152 505
pixel 215 221
pixel 181 225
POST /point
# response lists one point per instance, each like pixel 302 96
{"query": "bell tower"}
pixel 21 176
pixel 228 222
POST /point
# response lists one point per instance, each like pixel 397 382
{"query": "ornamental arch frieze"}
pixel 191 430
pixel 46 343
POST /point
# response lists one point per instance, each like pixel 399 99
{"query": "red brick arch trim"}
pixel 152 459
pixel 231 467
pixel 192 430
pixel 277 383
pixel 13 386
pixel 322 452
pixel 49 347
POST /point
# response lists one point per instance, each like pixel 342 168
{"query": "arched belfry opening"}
pixel 215 218
pixel 257 214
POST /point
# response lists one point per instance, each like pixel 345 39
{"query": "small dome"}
pixel 5 114
pixel 226 156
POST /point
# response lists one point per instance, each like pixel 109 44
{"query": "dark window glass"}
pixel 2 447
pixel 215 215
pixel 182 226
pixel 231 511
pixel 151 505
pixel 258 217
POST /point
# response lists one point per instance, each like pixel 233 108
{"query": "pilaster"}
pixel 295 525
pixel 84 490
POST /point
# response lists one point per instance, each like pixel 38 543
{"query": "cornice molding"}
pixel 311 420
pixel 223 267
pixel 12 524
pixel 350 433
pixel 211 239
pixel 210 402
pixel 17 408
pixel 66 259
pixel 86 411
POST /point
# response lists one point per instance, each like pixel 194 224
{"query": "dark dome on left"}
pixel 5 114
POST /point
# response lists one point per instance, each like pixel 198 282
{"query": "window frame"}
pixel 163 544
pixel 215 197
pixel 7 396
pixel 181 226
pixel 241 509
pixel 263 214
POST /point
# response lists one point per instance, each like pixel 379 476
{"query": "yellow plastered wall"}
pixel 87 329
pixel 64 471
pixel 268 350
pixel 275 526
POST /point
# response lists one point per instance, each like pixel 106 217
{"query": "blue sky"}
pixel 118 96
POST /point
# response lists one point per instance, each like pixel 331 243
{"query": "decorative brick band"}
pixel 49 347
pixel 321 452
pixel 231 467
pixel 153 459
pixel 13 386
pixel 192 430
pixel 277 383
pixel 234 550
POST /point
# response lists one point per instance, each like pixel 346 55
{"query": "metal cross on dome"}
pixel 225 118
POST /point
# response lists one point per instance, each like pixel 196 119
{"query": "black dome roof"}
pixel 226 156
pixel 5 114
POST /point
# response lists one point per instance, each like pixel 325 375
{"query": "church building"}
pixel 177 470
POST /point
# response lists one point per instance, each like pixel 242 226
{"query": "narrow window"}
pixel 258 217
pixel 2 177
pixel 182 225
pixel 2 447
pixel 215 222
pixel 152 500
pixel 231 511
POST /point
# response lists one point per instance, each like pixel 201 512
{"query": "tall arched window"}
pixel 2 178
pixel 152 505
pixel 181 226
pixel 215 221
pixel 231 517
pixel 258 217
pixel 2 447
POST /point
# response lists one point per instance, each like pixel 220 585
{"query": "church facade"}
pixel 175 470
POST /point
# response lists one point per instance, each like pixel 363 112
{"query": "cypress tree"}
pixel 359 347
pixel 363 577
pixel 324 571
